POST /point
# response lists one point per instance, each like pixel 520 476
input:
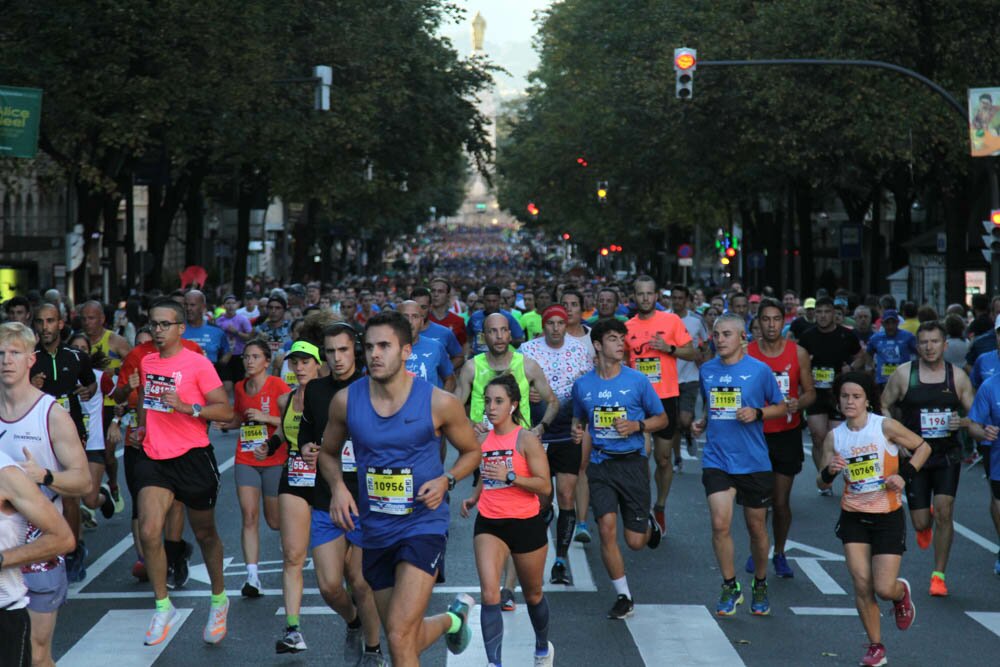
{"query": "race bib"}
pixel 252 435
pixel 823 377
pixel 784 383
pixel 64 402
pixel 503 457
pixel 864 474
pixel 390 490
pixel 650 367
pixel 347 461
pixel 934 423
pixel 291 379
pixel 480 340
pixel 156 386
pixel 604 421
pixel 723 402
pixel 889 369
pixel 300 473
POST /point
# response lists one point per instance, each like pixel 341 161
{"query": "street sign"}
pixel 984 121
pixel 685 261
pixel 685 250
pixel 20 112
pixel 755 260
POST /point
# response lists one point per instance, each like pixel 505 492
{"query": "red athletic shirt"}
pixel 785 367
pixel 253 433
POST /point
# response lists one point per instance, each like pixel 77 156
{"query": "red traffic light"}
pixel 565 237
pixel 730 252
pixel 685 59
pixel 604 252
pixel 532 209
pixel 581 161
pixel 995 217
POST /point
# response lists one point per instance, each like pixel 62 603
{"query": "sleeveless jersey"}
pixel 93 417
pixel 31 432
pixel 926 409
pixel 13 531
pixel 300 474
pixel 483 376
pixel 114 362
pixel 500 500
pixel 871 459
pixel 252 434
pixel 395 456
pixel 785 367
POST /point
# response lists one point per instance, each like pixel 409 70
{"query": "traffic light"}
pixel 582 161
pixel 532 209
pixel 565 236
pixel 685 63
pixel 602 191
pixel 991 239
pixel 604 252
pixel 995 217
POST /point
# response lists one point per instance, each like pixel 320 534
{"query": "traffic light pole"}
pixel 905 71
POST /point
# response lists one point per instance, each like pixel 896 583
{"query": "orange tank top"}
pixel 499 499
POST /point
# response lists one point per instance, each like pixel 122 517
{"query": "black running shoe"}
pixel 655 535
pixel 181 569
pixel 622 609
pixel 108 506
pixel 560 574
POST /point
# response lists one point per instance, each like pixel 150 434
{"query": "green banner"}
pixel 20 113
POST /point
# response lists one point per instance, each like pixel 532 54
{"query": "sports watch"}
pixel 195 410
pixel 511 476
pixel 451 481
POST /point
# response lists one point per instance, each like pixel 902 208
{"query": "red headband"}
pixel 554 311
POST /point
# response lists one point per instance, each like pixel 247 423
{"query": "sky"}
pixel 509 31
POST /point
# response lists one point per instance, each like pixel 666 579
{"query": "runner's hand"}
pixel 343 508
pixel 992 432
pixel 255 415
pixel 310 453
pixel 954 422
pixel 35 472
pixel 432 492
pixel 133 380
pixel 577 434
pixel 84 392
pixel 136 436
pixel 114 434
pixel 534 396
pixel 171 399
pixel 837 464
pixel 657 343
pixel 746 415
pixel 38 380
pixel 626 427
pixel 467 506
pixel 894 483
pixel 698 427
pixel 792 404
pixel 480 428
pixel 260 451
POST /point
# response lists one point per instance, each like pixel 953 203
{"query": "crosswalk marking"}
pixel 824 611
pixel 988 619
pixel 688 634
pixel 117 638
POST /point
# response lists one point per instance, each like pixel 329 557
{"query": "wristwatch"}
pixel 195 410
pixel 760 414
pixel 673 348
pixel 49 478
pixel 511 476
pixel 451 481
pixel 642 426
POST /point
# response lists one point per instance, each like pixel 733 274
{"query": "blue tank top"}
pixel 395 455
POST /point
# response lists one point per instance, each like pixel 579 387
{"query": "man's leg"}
pixel 43 627
pixel 408 631
pixel 203 525
pixel 364 600
pixel 944 530
pixel 664 475
pixel 154 503
pixel 782 511
pixel 756 519
pixel 611 555
pixel 566 484
pixel 720 507
pixel 818 428
pixel 329 559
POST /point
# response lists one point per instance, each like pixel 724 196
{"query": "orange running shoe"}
pixel 938 587
pixel 925 537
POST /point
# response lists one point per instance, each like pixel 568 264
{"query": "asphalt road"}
pixel 813 621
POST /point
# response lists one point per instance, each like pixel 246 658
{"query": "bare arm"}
pixel 464 386
pixel 904 437
pixel 687 352
pixel 538 382
pixel 831 460
pixel 216 408
pixel 893 391
pixel 540 481
pixel 449 383
pixel 808 394
pixel 451 420
pixel 28 500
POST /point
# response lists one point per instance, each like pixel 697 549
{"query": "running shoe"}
pixel 160 626
pixel 215 629
pixel 581 534
pixel 730 597
pixel 181 569
pixel 938 587
pixel 622 609
pixel 116 496
pixel 251 588
pixel 678 464
pixel 547 659
pixel 760 606
pixel 560 573
pixel 661 518
pixel 87 519
pixel 372 660
pixel 139 571
pixel 292 642
pixel 875 657
pixel 354 645
pixel 826 492
pixel 749 567
pixel 655 534
pixel 925 537
pixel 108 506
pixel 904 610
pixel 459 640
pixel 507 600
pixel 781 566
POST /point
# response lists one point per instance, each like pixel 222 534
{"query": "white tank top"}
pixel 93 417
pixel 871 459
pixel 31 432
pixel 13 529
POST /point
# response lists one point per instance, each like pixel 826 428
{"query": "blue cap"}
pixel 890 315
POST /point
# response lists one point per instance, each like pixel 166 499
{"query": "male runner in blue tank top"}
pixel 396 422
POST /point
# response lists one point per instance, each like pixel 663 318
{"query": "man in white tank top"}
pixel 22 503
pixel 42 438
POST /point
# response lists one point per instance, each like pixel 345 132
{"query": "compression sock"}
pixel 539 614
pixel 491 621
pixel 456 622
pixel 292 620
pixel 621 587
pixel 164 604
pixel 564 532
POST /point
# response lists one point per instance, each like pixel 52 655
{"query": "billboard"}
pixel 984 121
pixel 20 111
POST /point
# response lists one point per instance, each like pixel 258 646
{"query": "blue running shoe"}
pixel 731 596
pixel 749 566
pixel 781 566
pixel 760 605
pixel 582 533
pixel 459 641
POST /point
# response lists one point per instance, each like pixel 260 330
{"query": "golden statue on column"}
pixel 478 32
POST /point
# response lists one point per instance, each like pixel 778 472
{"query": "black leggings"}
pixel 15 629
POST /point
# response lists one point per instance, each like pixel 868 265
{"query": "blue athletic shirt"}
pixel 445 336
pixel 891 352
pixel 212 339
pixel 732 446
pixel 430 362
pixel 474 330
pixel 629 394
pixel 986 411
pixel 987 365
pixel 395 456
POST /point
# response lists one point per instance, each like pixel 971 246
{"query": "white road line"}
pixel 688 634
pixel 95 569
pixel 824 582
pixel 988 619
pixel 976 537
pixel 518 641
pixel 117 639
pixel 824 611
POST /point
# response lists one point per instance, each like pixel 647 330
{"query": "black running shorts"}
pixel 886 533
pixel 193 477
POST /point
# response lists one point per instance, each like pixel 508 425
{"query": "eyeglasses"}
pixel 161 325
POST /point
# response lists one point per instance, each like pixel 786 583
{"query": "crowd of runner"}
pixel 567 401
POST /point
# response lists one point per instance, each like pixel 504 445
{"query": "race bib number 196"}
pixel 934 423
